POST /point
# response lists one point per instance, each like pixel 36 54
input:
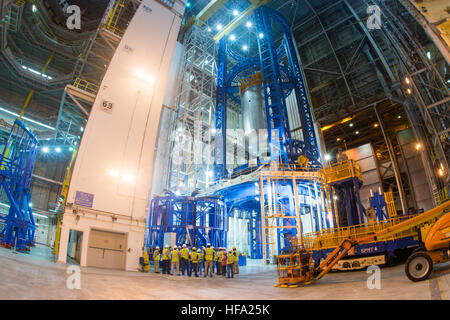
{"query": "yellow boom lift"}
pixel 299 268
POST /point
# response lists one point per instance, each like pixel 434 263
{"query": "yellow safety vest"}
pixel 185 253
pixel 209 254
pixel 230 258
pixel 194 257
pixel 175 256
pixel 166 254
pixel 156 255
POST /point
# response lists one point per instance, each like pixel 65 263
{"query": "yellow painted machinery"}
pixel 299 268
pixel 436 249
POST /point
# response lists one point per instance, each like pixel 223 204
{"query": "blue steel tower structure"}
pixel 281 73
pixel 18 156
pixel 184 217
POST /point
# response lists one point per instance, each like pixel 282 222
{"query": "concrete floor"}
pixel 35 276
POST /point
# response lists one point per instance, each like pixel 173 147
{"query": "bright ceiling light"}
pixel 248 24
pixel 235 12
pixel 114 173
pixel 150 79
pixel 140 74
pixel 70 149
pixel 209 173
pixel 58 149
pixel 357 132
pixel 376 125
pixel 128 177
pixel 327 157
pixel 245 47
pixel 261 35
pixel 219 27
pixel 351 124
pixel 209 29
pixel 232 37
pixel 27 119
pixel 45 149
pixel 407 80
pixel 418 146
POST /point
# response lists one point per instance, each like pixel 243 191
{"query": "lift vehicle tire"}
pixel 419 266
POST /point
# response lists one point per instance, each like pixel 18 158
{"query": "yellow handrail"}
pixel 85 86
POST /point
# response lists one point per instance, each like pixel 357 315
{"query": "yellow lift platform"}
pixel 299 268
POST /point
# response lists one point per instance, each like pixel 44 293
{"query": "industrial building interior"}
pixel 313 136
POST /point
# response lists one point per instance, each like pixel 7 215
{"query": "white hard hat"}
pixel 166 246
pixel 198 250
pixel 157 247
pixel 184 245
pixel 208 244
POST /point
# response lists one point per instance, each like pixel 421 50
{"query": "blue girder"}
pixel 279 81
pixel 16 168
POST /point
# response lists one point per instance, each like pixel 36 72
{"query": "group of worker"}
pixel 196 261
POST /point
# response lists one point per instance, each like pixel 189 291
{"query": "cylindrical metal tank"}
pixel 254 115
pixel 252 103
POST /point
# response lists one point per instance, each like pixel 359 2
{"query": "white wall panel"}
pixel 124 138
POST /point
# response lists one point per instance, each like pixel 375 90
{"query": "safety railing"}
pixel 333 237
pixel 289 268
pixel 85 86
pixel 113 18
pixel 390 204
pixel 442 195
pixel 342 170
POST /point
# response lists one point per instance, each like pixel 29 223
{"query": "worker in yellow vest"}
pixel 236 261
pixel 219 261
pixel 209 258
pixel 156 257
pixel 165 259
pixel 175 261
pixel 201 261
pixel 230 264
pixel 194 256
pixel 216 262
pixel 184 260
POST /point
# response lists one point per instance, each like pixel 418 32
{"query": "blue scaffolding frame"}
pixel 16 168
pixel 278 81
pixel 196 221
pixel 348 203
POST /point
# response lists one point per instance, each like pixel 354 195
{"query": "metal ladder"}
pixel 277 119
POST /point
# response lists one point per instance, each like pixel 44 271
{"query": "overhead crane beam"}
pixel 211 8
pixel 240 18
pixel 207 12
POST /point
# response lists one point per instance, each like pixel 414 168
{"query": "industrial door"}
pixel 106 250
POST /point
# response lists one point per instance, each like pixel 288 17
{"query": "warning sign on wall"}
pixel 84 199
